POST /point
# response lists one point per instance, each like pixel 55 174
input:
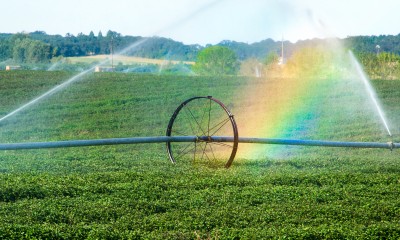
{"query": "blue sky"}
pixel 205 21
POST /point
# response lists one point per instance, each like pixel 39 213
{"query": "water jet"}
pixel 198 120
pixel 370 91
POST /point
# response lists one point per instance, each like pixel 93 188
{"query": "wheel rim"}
pixel 205 118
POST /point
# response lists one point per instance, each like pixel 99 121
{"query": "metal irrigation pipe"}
pixel 388 145
pixel 95 142
pixel 160 139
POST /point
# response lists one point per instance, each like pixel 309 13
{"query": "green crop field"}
pixel 134 192
pixel 122 59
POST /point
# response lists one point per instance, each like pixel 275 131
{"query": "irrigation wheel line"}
pixel 203 117
pixel 221 139
pixel 191 134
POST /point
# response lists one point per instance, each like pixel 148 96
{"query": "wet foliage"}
pixel 134 192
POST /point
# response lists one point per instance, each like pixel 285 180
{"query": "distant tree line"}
pixel 14 46
pixel 37 47
pixel 23 49
pixel 382 65
pixel 374 44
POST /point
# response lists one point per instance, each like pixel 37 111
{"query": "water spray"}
pixel 370 91
pixel 131 47
pixel 204 142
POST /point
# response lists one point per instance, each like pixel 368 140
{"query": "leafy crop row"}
pixel 134 192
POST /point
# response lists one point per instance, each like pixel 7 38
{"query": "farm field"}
pixel 134 192
pixel 126 60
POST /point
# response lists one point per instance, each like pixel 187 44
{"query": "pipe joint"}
pixel 391 146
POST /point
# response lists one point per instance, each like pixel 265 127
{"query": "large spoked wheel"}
pixel 214 127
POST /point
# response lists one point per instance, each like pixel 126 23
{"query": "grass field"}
pixel 134 192
pixel 126 60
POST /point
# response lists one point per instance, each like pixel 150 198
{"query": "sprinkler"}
pixel 201 128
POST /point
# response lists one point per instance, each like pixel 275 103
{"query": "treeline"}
pixel 19 47
pixel 23 49
pixel 38 46
pixel 383 65
pixel 374 44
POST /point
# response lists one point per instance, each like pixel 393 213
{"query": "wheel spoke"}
pixel 198 125
pixel 225 122
pixel 221 144
pixel 188 117
pixel 212 152
pixel 220 123
pixel 204 152
pixel 195 150
pixel 181 133
pixel 204 113
pixel 209 119
pixel 216 143
pixel 199 116
pixel 185 151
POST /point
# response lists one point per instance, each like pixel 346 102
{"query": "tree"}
pixel 216 60
pixel 31 51
pixel 271 58
pixel 38 52
pixel 19 50
pixel 5 50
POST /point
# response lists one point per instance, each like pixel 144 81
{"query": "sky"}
pixel 205 21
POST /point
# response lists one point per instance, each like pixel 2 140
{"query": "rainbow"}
pixel 282 104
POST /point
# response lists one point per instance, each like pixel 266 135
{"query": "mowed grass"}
pixel 134 192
